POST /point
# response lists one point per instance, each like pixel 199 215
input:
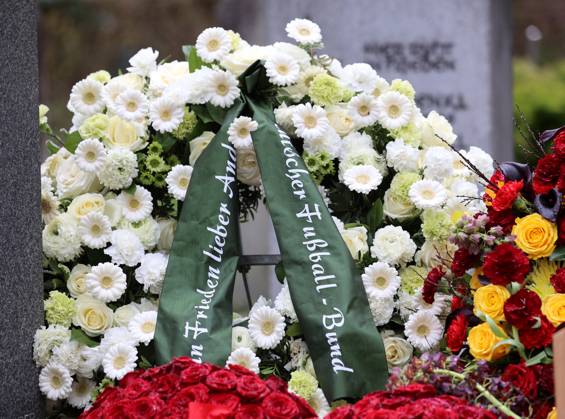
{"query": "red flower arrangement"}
pixel 505 264
pixel 186 389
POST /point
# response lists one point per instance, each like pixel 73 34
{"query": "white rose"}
pixel 167 74
pixel 240 338
pixel 85 204
pixel 198 144
pixel 356 240
pixel 167 228
pixel 432 254
pixel 283 116
pixel 130 80
pixel 76 284
pixel 247 168
pixel 124 314
pixel 340 119
pixel 398 351
pixel 113 210
pixel 50 166
pixel 396 209
pixel 295 52
pixel 238 61
pixel 92 315
pixel 71 181
pixel 437 125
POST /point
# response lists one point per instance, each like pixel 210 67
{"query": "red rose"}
pixel 249 411
pixel 506 264
pixel 523 378
pixel 276 384
pixel 279 406
pixel 504 219
pixel 166 386
pixel 343 412
pixel 457 333
pixel 539 337
pixel 558 279
pixel 541 409
pixel 521 308
pixel 231 401
pixel 546 174
pixel 559 145
pixel 431 283
pixel 239 371
pixel 194 373
pixel 195 393
pixel 146 407
pixel 221 380
pixel 544 376
pixel 304 409
pixel 415 391
pixel 252 387
pixel 506 195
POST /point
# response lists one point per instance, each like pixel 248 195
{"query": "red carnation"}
pixel 504 219
pixel 558 279
pixel 431 283
pixel 523 378
pixel 462 261
pixel 496 181
pixel 457 333
pixel 279 406
pixel 559 145
pixel 537 337
pixel 506 195
pixel 522 308
pixel 545 377
pixel 506 264
pixel 546 174
pixel 457 303
pixel 561 229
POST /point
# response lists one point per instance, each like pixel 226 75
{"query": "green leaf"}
pixel 558 254
pixel 293 330
pixel 52 147
pixel 167 141
pixel 540 358
pixel 131 189
pixel 279 272
pixel 72 141
pixel 495 328
pixel 216 113
pixel 375 215
pixel 202 113
pixel 81 337
pixel 194 61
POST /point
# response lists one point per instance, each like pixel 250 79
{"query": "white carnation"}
pixel 402 157
pixel 381 309
pixel 438 163
pixel 144 62
pixel 393 245
pixel 151 272
pixel 119 169
pixel 126 248
pixel 61 239
pixel 46 339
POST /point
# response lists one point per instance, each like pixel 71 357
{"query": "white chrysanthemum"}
pixel 151 272
pixel 283 303
pixel 381 309
pixel 90 155
pixel 119 169
pixel 329 143
pixel 438 163
pixel 86 97
pixel 119 360
pixel 246 358
pixel 67 355
pixel 380 280
pixel 480 159
pixel 319 403
pixel 112 90
pixel 55 381
pixel 136 206
pixel 266 327
pixel 106 282
pixel 381 86
pixel 166 114
pixel 393 245
pixel 221 88
pixel 407 304
pixel 423 330
pixel 49 206
pixel 402 157
pixel 462 191
pixel 46 339
pixel 239 132
pixel 144 62
pixel 131 105
pixel 363 178
pixel 240 338
pixel 61 238
pixel 354 142
pixel 310 121
pixel 81 392
pixel 213 44
pixel 304 31
pixel 142 326
pixel 95 230
pixel 178 180
pixel 427 193
pixel 282 69
pixel 126 248
pixel 363 110
pixel 394 109
pixel 360 77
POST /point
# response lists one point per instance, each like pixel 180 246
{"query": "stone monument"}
pixel 21 286
pixel 456 53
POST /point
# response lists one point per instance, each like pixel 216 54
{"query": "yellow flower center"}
pixel 310 121
pixel 166 115
pixel 364 110
pixel 282 69
pixel 90 155
pixel 134 204
pixel 268 328
pixel 423 330
pixel 363 179
pixel 428 194
pixel 56 381
pixel 95 230
pixel 148 327
pixel 119 362
pixel 381 282
pixel 213 45
pixel 394 111
pixel 222 89
pixel 46 206
pixel 89 98
pixel 183 182
pixel 243 132
pixel 304 32
pixel 131 106
pixel 106 282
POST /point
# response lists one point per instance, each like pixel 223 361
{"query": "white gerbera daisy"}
pixel 283 303
pixel 329 143
pixel 319 403
pixel 90 155
pixel 86 97
pixel 142 326
pixel 246 358
pixel 106 282
pixel 213 44
pixel 363 110
pixel 240 338
pixel 310 121
pixel 55 381
pixel 95 230
pixel 393 245
pixel 81 392
pixel 151 272
pixel 382 310
pixel 144 62
pixel 239 132
pixel 221 88
pixel 119 360
pixel 282 69
pixel 440 305
pixel 395 110
pixel 136 206
pixel 427 193
pixel 49 207
pixel 363 178
pixel 381 86
pixel 304 31
pixel 178 180
pixel 423 330
pixel 266 327
pixel 126 248
pixel 360 77
pixel 380 280
pixel 166 114
pixel 131 105
pixel 112 90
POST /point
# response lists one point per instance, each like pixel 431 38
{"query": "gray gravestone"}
pixel 456 53
pixel 21 286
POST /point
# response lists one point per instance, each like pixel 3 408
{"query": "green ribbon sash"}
pixel 195 309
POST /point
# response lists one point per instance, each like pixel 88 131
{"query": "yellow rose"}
pixel 121 133
pixel 554 308
pixel 92 315
pixel 85 204
pixel 482 342
pixel 490 301
pixel 552 414
pixel 475 282
pixel 535 235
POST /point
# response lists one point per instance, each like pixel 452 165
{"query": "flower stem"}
pixel 484 392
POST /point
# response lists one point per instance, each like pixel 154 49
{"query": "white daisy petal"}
pixel 166 114
pixel 282 69
pixel 119 360
pixel 86 97
pixel 55 381
pixel 427 193
pixel 310 121
pixel 178 180
pixel 304 31
pixel 106 282
pixel 380 280
pixel 362 178
pixel 246 358
pixel 81 392
pixel 266 327
pixel 142 326
pixel 239 132
pixel 136 206
pixel 95 230
pixel 423 330
pixel 213 44
pixel 394 110
pixel 90 155
pixel 363 110
pixel 221 88
pixel 131 105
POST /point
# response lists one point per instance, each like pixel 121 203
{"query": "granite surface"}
pixel 21 288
